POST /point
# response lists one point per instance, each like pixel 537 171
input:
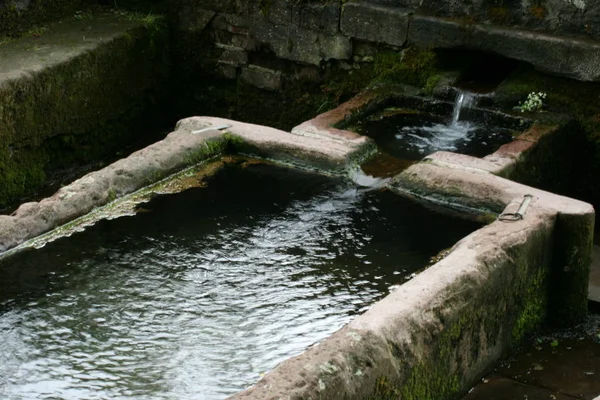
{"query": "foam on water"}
pixel 427 139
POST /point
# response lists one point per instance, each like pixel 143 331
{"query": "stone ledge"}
pixel 83 83
pixel 573 58
pixel 302 45
pixel 375 23
pixel 419 339
pixel 319 153
pixel 261 78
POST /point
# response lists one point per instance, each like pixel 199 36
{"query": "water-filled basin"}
pixel 203 291
pixel 410 128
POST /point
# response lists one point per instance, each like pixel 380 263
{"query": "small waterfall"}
pixel 464 100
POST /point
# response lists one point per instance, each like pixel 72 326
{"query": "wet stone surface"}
pixel 561 365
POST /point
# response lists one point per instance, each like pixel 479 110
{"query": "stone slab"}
pixel 571 367
pixel 319 17
pixel 61 43
pixel 574 58
pixel 262 78
pixel 437 32
pixel 232 55
pixel 293 43
pixel 375 23
pixel 498 388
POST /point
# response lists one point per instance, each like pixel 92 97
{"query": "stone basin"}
pixel 431 337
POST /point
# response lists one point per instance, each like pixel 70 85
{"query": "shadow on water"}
pixel 203 291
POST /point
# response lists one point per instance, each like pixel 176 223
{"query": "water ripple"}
pixel 199 301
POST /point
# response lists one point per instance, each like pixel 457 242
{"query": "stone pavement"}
pixel 560 366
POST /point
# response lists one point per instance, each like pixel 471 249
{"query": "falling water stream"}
pixel 202 292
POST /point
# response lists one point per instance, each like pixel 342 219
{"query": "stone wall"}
pixel 556 17
pixel 557 36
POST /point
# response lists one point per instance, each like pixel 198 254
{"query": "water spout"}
pixel 464 100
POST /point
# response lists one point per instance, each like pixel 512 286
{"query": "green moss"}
pixel 80 111
pixel 431 83
pixel 427 384
pixel 210 149
pixel 510 303
pixel 534 309
pixel 413 66
pixel 235 144
pixel 264 6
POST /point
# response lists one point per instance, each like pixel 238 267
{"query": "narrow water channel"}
pixel 202 292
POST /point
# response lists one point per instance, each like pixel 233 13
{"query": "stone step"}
pixel 78 85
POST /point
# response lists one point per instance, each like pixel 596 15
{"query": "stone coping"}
pixel 194 140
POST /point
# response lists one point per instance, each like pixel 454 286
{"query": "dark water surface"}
pixel 414 136
pixel 207 289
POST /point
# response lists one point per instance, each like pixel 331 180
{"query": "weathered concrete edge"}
pixel 182 148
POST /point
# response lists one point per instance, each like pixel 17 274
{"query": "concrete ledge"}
pixel 375 23
pixel 569 57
